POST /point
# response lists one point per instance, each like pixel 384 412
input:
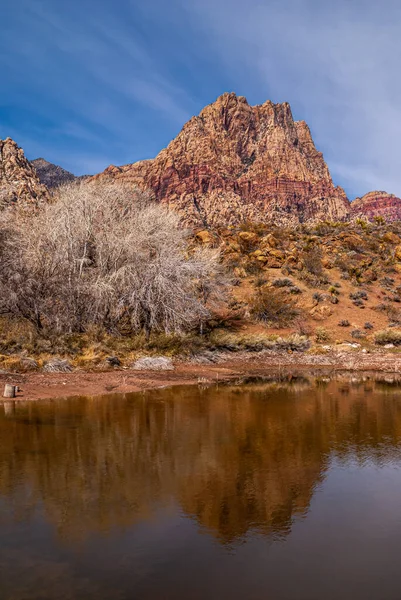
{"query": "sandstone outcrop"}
pixel 18 179
pixel 235 162
pixel 377 204
pixel 51 175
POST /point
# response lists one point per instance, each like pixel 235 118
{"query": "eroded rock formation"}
pixel 235 162
pixel 377 204
pixel 18 178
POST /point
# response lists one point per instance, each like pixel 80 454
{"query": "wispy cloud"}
pixel 86 78
pixel 336 62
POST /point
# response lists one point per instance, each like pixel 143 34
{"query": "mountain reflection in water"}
pixel 238 461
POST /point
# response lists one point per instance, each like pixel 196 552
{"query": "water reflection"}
pixel 238 459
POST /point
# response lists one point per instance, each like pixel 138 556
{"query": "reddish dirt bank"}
pixel 35 386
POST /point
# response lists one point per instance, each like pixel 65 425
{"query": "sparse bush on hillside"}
pixel 392 313
pixel 317 297
pixel 344 323
pixel 322 335
pixel 359 295
pixel 272 306
pixel 312 260
pixel 285 282
pixel 104 254
pixel 358 334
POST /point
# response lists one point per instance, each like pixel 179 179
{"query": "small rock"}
pixel 113 361
pixel 57 365
pixel 153 363
pixel 388 346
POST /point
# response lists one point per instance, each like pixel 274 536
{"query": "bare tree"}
pixel 107 254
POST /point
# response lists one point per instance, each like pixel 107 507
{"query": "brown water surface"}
pixel 257 491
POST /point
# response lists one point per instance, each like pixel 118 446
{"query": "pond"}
pixel 264 490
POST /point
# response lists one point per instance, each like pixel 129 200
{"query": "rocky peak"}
pixel 377 204
pixel 235 162
pixel 18 178
pixel 51 175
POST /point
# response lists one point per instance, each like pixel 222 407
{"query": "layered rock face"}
pixel 18 178
pixel 51 175
pixel 377 204
pixel 236 162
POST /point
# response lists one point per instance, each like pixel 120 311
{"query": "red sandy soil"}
pixel 36 386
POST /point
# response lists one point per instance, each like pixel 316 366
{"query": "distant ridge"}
pixel 51 175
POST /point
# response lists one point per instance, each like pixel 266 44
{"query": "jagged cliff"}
pixel 235 162
pixel 18 178
pixel 377 204
pixel 231 163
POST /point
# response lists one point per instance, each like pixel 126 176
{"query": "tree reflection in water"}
pixel 236 459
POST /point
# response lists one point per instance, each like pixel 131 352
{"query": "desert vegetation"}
pixel 104 255
pixel 102 274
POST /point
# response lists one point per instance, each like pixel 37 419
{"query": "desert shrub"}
pixel 260 281
pixel 314 281
pixel 294 342
pixel 272 306
pixel 285 282
pixel 392 313
pixel 104 254
pixel 317 297
pixel 312 260
pixel 368 325
pixel 295 290
pixel 303 327
pixel 359 295
pixel 388 336
pixel 322 335
pixel 387 282
pixel 344 323
pixel 251 342
pixel 358 334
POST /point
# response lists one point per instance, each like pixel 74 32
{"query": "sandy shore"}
pixel 35 386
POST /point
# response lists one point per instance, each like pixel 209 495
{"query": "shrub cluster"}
pixel 104 255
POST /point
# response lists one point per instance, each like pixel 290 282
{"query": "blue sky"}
pixel 88 83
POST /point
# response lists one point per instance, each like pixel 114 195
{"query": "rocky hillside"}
pixel 51 175
pixel 377 204
pixel 235 162
pixel 18 178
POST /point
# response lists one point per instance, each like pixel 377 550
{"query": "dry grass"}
pixel 388 336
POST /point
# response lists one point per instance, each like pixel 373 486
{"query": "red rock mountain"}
pixel 18 178
pixel 235 162
pixel 377 204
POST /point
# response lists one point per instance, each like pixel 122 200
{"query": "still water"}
pixel 257 491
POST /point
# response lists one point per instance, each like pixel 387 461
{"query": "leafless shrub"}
pixel 105 254
pixel 312 260
pixel 273 306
